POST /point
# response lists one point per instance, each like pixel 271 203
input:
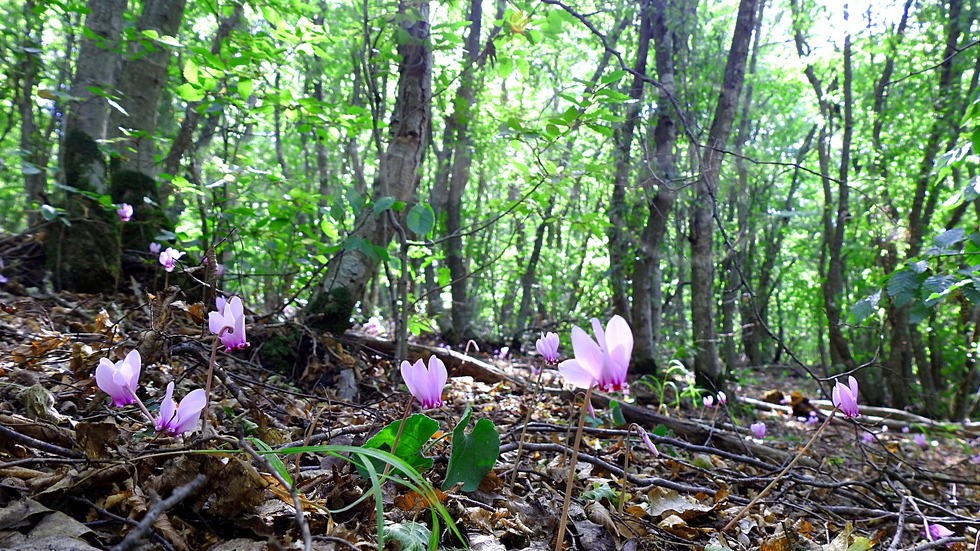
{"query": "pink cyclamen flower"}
pixel 603 363
pixel 426 384
pixel 169 257
pixel 125 212
pixel 938 531
pixel 709 401
pixel 976 458
pixel 229 324
pixel 813 419
pixel 920 440
pixel 845 398
pixel 177 419
pixel 758 430
pixel 649 443
pixel 722 398
pixel 155 248
pixel 219 270
pixel 119 379
pixel 905 430
pixel 547 346
pixel 867 437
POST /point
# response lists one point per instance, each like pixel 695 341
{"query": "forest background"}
pixel 748 183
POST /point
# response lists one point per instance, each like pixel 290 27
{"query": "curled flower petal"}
pixel 845 398
pixel 168 258
pixel 426 384
pixel 119 380
pixel 649 443
pixel 547 346
pixel 125 212
pixel 229 324
pixel 176 419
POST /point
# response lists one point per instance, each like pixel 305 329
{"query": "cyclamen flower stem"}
pixel 782 473
pixel 626 468
pixel 571 472
pixel 142 406
pixel 527 419
pixel 398 435
pixel 207 383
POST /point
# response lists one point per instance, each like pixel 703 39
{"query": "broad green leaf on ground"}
pixel 418 430
pixel 473 454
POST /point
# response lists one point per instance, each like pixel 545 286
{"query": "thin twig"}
pixel 38 444
pixel 158 508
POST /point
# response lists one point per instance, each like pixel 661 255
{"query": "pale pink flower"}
pixel 758 430
pixel 722 398
pixel 426 384
pixel 845 398
pixel 169 257
pixel 649 443
pixel 174 419
pixel 231 319
pixel 602 362
pixel 547 346
pixel 709 401
pixel 154 248
pixel 920 440
pixel 938 531
pixel 119 380
pixel 867 437
pixel 125 212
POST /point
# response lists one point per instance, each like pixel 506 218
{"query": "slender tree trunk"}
pixel 348 273
pixel 34 159
pixel 707 366
pixel 620 265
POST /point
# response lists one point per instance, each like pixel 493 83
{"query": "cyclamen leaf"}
pixel 418 430
pixel 473 454
pixel 412 536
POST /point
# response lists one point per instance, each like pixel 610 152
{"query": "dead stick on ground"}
pixel 158 508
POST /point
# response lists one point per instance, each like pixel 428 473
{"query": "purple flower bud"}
pixel 845 398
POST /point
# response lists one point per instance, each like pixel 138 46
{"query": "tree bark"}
pixel 620 265
pixel 707 366
pixel 347 274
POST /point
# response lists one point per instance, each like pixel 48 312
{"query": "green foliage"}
pixel 473 454
pixel 417 431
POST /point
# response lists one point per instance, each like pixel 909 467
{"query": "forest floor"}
pixel 77 474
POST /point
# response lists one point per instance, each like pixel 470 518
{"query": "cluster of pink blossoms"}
pixel 119 380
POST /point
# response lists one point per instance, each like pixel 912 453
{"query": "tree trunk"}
pixel 346 274
pixel 620 266
pixel 34 159
pixel 707 367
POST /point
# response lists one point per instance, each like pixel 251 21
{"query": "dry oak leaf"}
pixel 665 502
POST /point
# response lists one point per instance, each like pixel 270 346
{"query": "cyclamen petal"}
pixel 426 384
pixel 758 430
pixel 547 346
pixel 606 359
pixel 229 324
pixel 176 419
pixel 845 398
pixel 120 380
